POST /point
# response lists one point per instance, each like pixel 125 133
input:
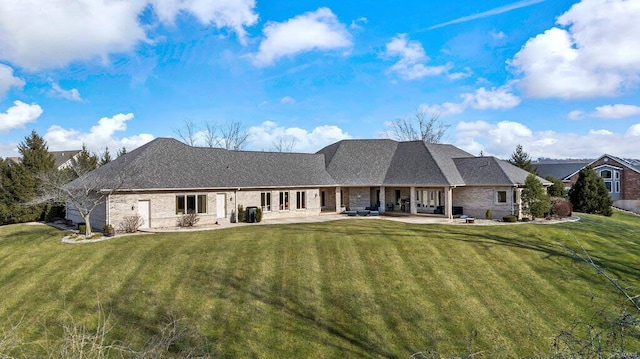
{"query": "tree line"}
pixel 22 183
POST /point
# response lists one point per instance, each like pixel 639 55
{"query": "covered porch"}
pixel 436 201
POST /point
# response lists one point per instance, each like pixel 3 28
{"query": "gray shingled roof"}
pixel 63 156
pixel 559 170
pixel 166 163
pixel 484 171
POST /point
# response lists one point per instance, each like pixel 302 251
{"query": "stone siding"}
pixel 476 200
pixel 162 211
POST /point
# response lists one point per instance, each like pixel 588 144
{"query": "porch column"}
pixel 517 206
pixel 412 200
pixel 338 199
pixel 383 202
pixel 448 202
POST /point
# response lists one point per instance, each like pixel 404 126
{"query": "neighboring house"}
pixel 63 159
pixel 621 176
pixel 164 179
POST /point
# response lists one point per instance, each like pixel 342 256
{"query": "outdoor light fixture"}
pixel 133 207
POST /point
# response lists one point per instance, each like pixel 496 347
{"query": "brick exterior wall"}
pixel 629 179
pixel 476 200
pixel 162 211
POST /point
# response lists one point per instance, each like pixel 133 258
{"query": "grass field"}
pixel 351 288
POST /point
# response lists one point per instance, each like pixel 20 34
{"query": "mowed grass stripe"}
pixel 353 288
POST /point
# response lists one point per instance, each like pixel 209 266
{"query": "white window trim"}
pixel 495 197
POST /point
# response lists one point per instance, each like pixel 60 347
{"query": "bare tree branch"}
pixel 426 127
pixel 283 144
pixel 210 136
pixel 233 136
pixel 188 133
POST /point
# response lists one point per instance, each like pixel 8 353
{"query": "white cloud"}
pixel 18 115
pixel 616 111
pixel 634 131
pixel 355 23
pixel 99 136
pixel 460 75
pixel 57 91
pixel 234 14
pixel 288 100
pixel 412 60
pixel 482 99
pixel 316 30
pixel 7 80
pixel 497 35
pixel 501 139
pixel 595 51
pixel 66 31
pixel 265 136
pixel 576 115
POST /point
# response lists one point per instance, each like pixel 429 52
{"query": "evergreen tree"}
pixel 535 200
pixel 19 189
pixel 590 194
pixel 106 157
pixel 521 159
pixel 557 188
pixel 122 151
pixel 35 154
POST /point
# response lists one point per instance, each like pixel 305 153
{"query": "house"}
pixel 62 159
pixel 621 176
pixel 165 178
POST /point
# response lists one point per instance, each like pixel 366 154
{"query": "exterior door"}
pixel 221 202
pixel 143 212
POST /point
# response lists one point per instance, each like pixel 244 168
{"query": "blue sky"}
pixel 559 77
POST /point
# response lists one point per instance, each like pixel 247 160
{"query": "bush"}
pixel 488 214
pixel 561 208
pixel 188 220
pixel 510 218
pixel 259 214
pixel 241 213
pixel 108 230
pixel 82 227
pixel 130 224
pixel 233 216
pixel 525 219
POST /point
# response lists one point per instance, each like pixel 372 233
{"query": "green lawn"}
pixel 351 288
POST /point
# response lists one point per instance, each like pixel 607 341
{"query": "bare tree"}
pixel 81 188
pixel 210 136
pixel 187 133
pixel 426 127
pixel 283 144
pixel 233 136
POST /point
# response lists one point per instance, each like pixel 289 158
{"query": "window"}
pixel 617 187
pixel 323 199
pixel 501 196
pixel 617 174
pixel 284 201
pixel 265 201
pixel 608 185
pixel 605 174
pixel 341 198
pixel 191 204
pixel 202 203
pixel 397 196
pixel 301 202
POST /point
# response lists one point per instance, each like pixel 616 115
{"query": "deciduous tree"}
pixel 424 126
pixel 535 200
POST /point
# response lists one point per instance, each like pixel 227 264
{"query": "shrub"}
pixel 561 208
pixel 259 214
pixel 130 224
pixel 108 230
pixel 535 200
pixel 488 214
pixel 82 228
pixel 232 219
pixel 188 220
pixel 525 219
pixel 510 218
pixel 241 213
